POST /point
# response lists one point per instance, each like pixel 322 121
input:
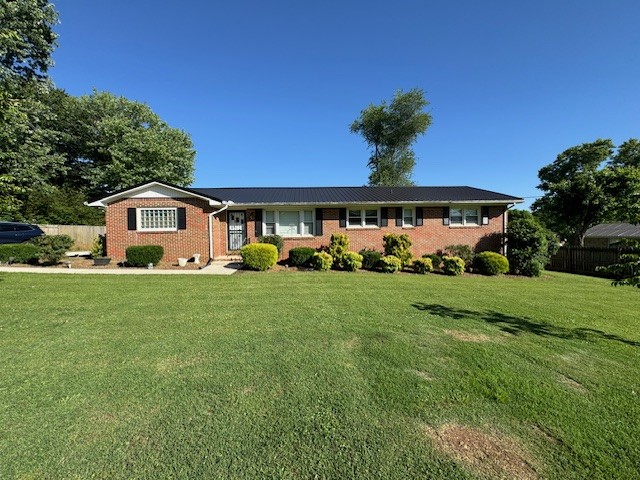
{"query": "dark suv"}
pixel 14 232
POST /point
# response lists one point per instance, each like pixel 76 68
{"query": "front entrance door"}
pixel 237 230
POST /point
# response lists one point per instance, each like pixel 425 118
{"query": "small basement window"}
pixel 157 219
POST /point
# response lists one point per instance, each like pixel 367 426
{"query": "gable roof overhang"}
pixel 156 189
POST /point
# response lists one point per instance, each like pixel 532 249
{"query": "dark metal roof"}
pixel 614 230
pixel 354 195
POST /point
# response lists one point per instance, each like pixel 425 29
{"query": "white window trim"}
pixel 139 227
pixel 464 217
pixel 413 217
pixel 363 220
pixel 276 218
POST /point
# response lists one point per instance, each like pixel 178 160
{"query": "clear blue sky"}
pixel 267 90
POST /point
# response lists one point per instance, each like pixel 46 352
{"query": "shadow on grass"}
pixel 519 325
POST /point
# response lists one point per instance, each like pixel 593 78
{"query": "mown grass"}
pixel 311 375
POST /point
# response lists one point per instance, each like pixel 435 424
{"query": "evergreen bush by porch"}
pixel 259 256
pixel 301 256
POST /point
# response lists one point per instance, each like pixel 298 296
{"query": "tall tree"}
pixel 27 39
pixel 110 142
pixel 589 184
pixel 390 130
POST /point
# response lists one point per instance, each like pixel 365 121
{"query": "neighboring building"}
pixel 609 234
pixel 216 222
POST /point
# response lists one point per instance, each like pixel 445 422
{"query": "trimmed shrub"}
pixel 99 246
pixel 20 252
pixel 465 252
pixel 436 260
pixel 491 263
pixel 52 247
pixel 322 261
pixel 276 240
pixel 453 265
pixel 143 255
pixel 390 264
pixel 259 256
pixel 399 246
pixel 351 261
pixel 528 247
pixel 422 265
pixel 370 259
pixel 338 246
pixel 301 256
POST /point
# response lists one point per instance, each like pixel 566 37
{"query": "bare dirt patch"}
pixel 468 337
pixel 422 375
pixel 352 343
pixel 573 384
pixel 488 453
pixel 174 363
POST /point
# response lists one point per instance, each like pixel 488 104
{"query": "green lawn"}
pixel 316 375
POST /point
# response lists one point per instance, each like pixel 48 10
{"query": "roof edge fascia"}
pixel 412 202
pixel 103 202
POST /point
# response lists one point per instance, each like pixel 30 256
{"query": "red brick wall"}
pixel 180 243
pixel 428 238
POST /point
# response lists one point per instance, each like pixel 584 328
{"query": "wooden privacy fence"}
pixel 83 235
pixel 584 260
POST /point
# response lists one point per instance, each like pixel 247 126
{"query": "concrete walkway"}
pixel 216 268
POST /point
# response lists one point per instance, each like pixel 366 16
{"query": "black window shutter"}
pixel 318 229
pixel 485 216
pixel 384 216
pixel 419 216
pixel 131 219
pixel 343 217
pixel 398 216
pixel 258 223
pixel 182 218
pixel 445 215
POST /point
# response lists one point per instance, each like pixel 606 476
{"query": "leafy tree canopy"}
pixel 589 184
pixel 56 151
pixel 390 130
pixel 27 39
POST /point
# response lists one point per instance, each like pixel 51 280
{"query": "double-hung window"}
pixel 363 217
pixel 468 216
pixel 288 223
pixel 157 219
pixel 408 219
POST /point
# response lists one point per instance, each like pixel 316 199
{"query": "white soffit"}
pixel 151 190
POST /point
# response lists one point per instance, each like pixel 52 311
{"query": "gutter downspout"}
pixel 211 215
pixel 504 228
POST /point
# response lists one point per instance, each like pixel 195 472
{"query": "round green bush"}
pixel 436 260
pixel 422 265
pixel 390 264
pixel 276 240
pixel 301 256
pixel 453 265
pixel 322 261
pixel 370 259
pixel 259 256
pixel 143 255
pixel 351 261
pixel 52 247
pixel 491 263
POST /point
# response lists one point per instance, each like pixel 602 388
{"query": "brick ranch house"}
pixel 216 222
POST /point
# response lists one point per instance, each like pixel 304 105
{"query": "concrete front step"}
pixel 228 258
